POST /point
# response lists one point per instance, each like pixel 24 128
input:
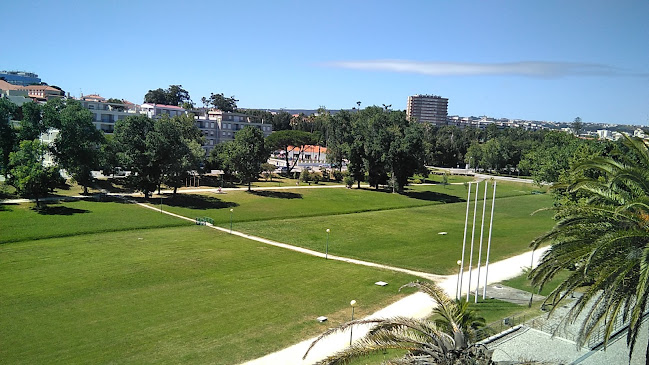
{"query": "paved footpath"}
pixel 416 305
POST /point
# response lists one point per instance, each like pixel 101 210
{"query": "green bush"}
pixel 338 175
pixel 316 176
pixel 349 181
pixel 305 176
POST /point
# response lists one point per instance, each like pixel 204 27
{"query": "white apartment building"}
pixel 158 110
pixel 107 114
pixel 218 126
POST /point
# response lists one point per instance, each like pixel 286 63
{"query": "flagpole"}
pixel 475 210
pixel 458 292
pixel 491 221
pixel 484 206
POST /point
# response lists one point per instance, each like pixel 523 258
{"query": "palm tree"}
pixel 604 238
pixel 425 341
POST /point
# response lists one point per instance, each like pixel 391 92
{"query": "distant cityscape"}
pixel 218 126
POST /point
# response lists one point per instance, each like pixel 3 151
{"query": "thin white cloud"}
pixel 536 69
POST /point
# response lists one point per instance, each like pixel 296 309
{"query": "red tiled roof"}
pixel 309 149
pixel 7 86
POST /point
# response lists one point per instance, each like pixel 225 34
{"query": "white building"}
pixel 604 134
pixel 158 110
pixel 107 114
pixel 218 126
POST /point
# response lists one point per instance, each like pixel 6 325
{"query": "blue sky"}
pixel 542 60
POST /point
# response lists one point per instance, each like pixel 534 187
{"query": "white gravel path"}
pixel 417 305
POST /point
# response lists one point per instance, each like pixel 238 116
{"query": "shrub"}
pixel 338 175
pixel 305 176
pixel 349 181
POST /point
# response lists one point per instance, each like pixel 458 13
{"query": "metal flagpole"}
pixel 484 206
pixel 491 222
pixel 475 210
pixel 466 222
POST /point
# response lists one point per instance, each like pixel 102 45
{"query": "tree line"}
pixel 162 151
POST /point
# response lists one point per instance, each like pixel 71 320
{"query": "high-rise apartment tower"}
pixel 428 108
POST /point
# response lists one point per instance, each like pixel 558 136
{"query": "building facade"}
pixel 107 114
pixel 20 78
pixel 427 109
pixel 218 126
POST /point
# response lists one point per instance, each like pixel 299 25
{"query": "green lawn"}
pixel 21 222
pixel 523 283
pixel 137 293
pixel 300 203
pixel 174 295
pixel 409 237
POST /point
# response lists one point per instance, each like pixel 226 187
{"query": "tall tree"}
pixel 176 144
pixel 7 132
pixel 604 240
pixel 219 101
pixel 174 95
pixel 246 154
pixel 136 152
pixel 281 121
pixel 403 156
pixel 32 125
pixel 29 175
pixel 76 148
pixel 157 96
pixel 289 141
pixel 577 126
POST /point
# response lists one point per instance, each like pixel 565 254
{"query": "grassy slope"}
pixel 175 295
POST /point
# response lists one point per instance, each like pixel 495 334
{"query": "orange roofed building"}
pixel 310 153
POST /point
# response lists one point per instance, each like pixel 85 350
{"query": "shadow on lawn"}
pixel 5 207
pixel 433 196
pixel 54 208
pixel 113 185
pixel 276 194
pixel 423 195
pixel 193 202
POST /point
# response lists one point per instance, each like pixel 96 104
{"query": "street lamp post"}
pixel 231 210
pixel 327 246
pixel 351 328
pixel 457 287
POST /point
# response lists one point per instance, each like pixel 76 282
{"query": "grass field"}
pixel 87 281
pixel 394 229
pixel 175 295
pixel 300 203
pixel 21 222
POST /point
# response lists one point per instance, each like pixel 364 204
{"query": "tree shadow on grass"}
pixel 422 195
pixel 193 202
pixel 54 208
pixel 5 207
pixel 112 185
pixel 433 196
pixel 276 194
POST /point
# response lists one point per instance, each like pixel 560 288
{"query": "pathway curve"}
pixel 416 305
